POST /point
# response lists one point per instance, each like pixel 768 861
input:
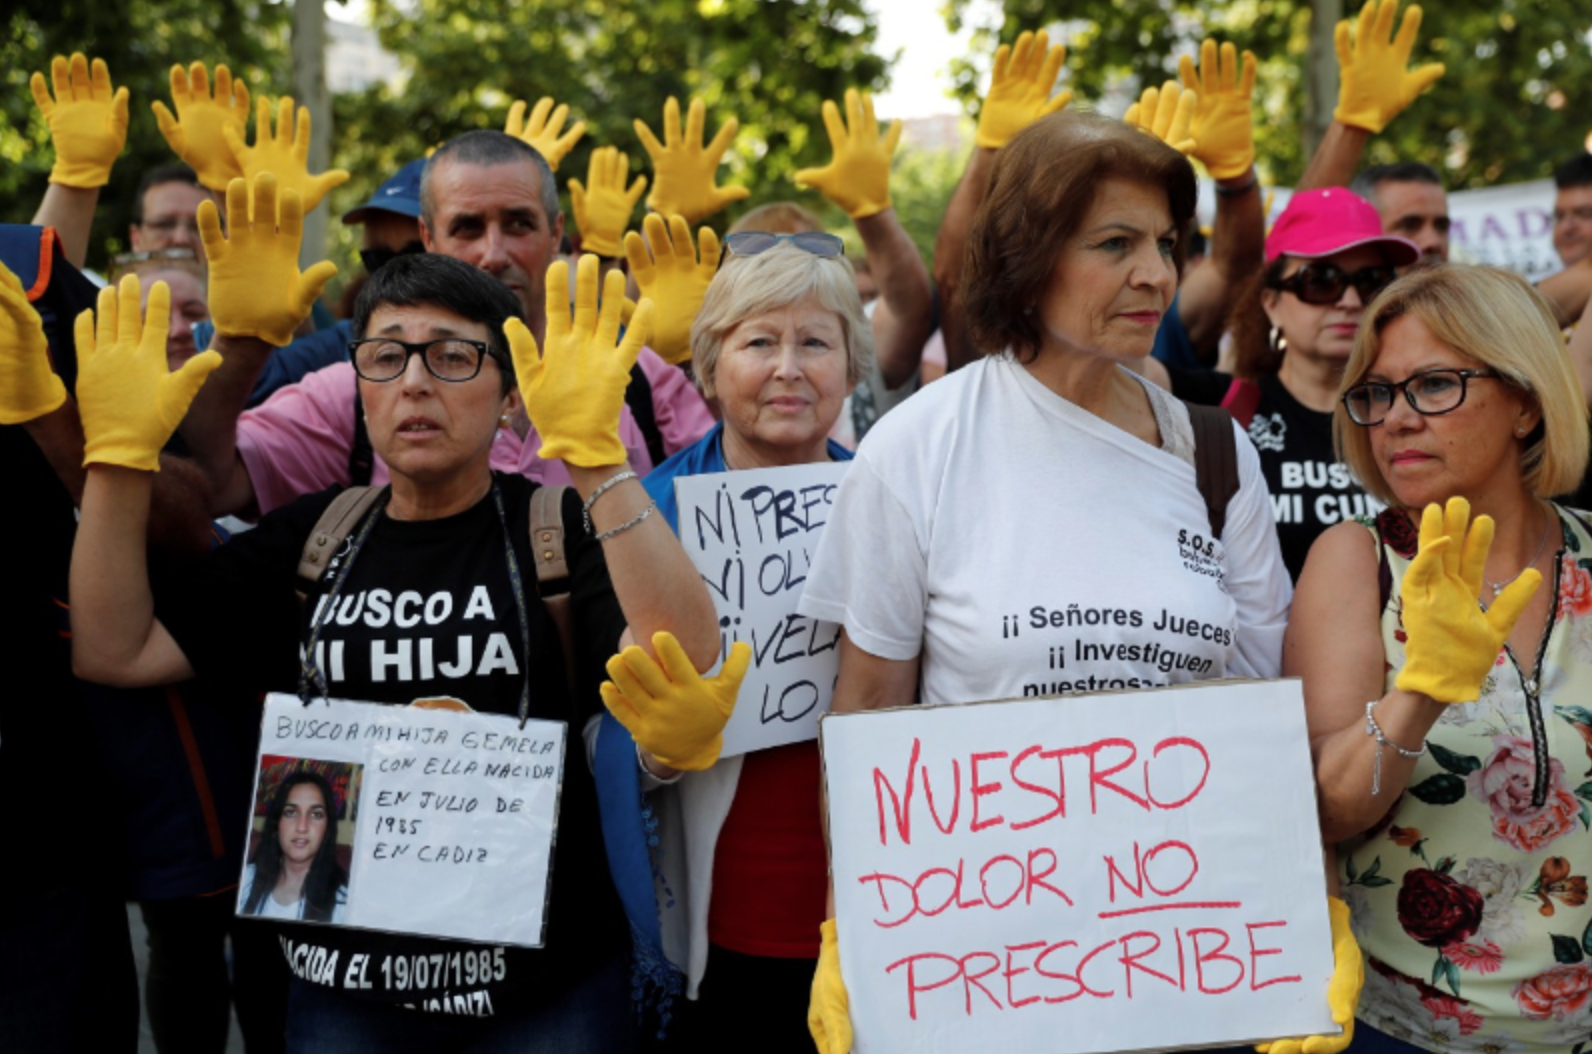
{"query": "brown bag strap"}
pixel 339 520
pixel 1215 461
pixel 552 569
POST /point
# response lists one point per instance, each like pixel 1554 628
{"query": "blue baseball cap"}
pixel 400 195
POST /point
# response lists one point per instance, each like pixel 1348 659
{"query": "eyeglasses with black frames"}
pixel 451 359
pixel 1429 393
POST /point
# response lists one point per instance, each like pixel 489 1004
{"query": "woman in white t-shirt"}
pixel 295 873
pixel 1031 525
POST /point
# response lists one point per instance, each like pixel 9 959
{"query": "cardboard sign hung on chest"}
pixel 404 819
pixel 1125 871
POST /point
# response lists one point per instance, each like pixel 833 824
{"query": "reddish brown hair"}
pixel 1043 185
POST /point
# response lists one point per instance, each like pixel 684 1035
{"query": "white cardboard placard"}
pixel 1134 870
pixel 752 535
pixel 454 813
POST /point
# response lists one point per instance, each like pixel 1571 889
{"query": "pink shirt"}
pixel 297 442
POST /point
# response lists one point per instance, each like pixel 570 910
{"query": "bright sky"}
pixel 922 75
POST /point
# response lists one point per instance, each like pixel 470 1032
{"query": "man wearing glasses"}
pixel 164 212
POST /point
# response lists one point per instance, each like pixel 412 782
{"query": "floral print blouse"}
pixel 1470 897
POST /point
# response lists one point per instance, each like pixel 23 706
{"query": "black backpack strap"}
pixel 1215 461
pixel 638 396
pixel 339 520
pixel 552 568
pixel 361 456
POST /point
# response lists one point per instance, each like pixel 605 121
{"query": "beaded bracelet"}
pixel 603 488
pixel 1374 730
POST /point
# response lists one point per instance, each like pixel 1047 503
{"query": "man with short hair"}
pixel 165 211
pixel 487 199
pixel 1412 203
pixel 1572 209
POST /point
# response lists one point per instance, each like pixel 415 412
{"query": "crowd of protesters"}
pixel 1406 448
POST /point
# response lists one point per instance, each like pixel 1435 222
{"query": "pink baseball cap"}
pixel 1318 223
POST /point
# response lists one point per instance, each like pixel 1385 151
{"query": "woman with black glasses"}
pixel 1447 680
pixel 1293 327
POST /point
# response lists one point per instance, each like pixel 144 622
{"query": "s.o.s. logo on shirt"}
pixel 1201 554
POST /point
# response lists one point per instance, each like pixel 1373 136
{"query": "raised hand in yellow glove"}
pixel 1376 83
pixel 130 403
pixel 858 178
pixel 829 1010
pixel 1451 642
pixel 672 275
pixel 195 133
pixel 1020 87
pixel 603 210
pixel 285 154
pixel 682 169
pixel 87 121
pixel 1167 113
pixel 670 710
pixel 1224 123
pixel 256 288
pixel 541 131
pixel 29 388
pixel 1343 994
pixel 575 388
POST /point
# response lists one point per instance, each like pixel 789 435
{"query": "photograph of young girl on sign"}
pixel 294 872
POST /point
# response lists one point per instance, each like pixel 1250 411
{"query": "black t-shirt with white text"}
pixel 428 610
pixel 1310 489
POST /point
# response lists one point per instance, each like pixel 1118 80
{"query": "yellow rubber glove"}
pixel 541 132
pixel 1451 643
pixel 670 710
pixel 284 155
pixel 574 390
pixel 1375 81
pixel 603 210
pixel 29 388
pixel 1343 994
pixel 1167 113
pixel 195 133
pixel 858 178
pixel 256 288
pixel 1224 123
pixel 682 169
pixel 829 1011
pixel 129 402
pixel 87 121
pixel 674 278
pixel 1020 87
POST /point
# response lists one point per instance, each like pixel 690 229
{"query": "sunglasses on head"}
pixel 374 259
pixel 1324 283
pixel 755 243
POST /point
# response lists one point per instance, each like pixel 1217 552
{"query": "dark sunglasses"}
pixel 1324 283
pixel 374 259
pixel 755 243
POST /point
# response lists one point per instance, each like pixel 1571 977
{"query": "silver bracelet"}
pixel 612 481
pixel 1374 730
pixel 651 508
pixel 646 773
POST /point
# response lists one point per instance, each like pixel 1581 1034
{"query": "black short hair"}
pixel 1366 182
pixel 176 172
pixel 1576 172
pixel 442 281
pixel 485 147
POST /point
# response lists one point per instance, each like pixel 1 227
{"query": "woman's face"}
pixel 781 379
pixel 428 430
pixel 1322 330
pixel 1429 459
pixel 1115 277
pixel 188 309
pixel 303 824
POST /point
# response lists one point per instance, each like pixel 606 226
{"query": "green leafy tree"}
pixel 1516 98
pixel 139 42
